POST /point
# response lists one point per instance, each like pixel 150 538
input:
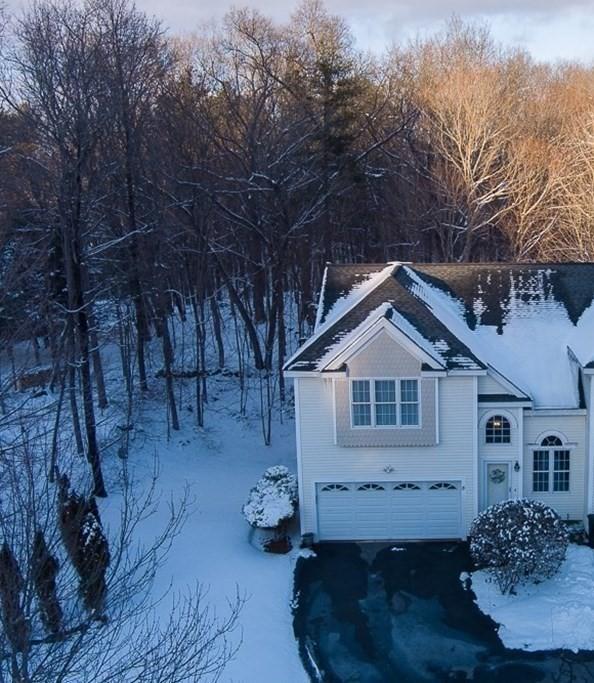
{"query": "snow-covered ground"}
pixel 555 614
pixel 219 465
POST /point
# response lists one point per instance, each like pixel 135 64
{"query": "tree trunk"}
pixel 77 312
pixel 97 365
pixel 216 324
pixel 168 362
pixel 80 448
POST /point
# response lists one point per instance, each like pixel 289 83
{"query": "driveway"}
pixel 399 614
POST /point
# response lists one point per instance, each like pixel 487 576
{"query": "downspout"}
pixel 298 447
pixel 590 446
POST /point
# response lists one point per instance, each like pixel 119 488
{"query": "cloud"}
pixel 549 29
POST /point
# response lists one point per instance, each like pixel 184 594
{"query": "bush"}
pixel 272 502
pixel 517 541
pixel 85 543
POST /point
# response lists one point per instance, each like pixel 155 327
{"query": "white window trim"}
pixel 551 449
pixel 373 424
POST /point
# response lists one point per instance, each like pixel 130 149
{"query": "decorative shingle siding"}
pixel 425 435
pixel 384 358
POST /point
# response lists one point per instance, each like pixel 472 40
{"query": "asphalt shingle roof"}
pixel 486 293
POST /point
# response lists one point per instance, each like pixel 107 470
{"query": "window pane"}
pixel 498 430
pixel 385 414
pixel 409 414
pixel 361 391
pixel 560 481
pixel 409 390
pixel 540 475
pixel 385 391
pixel 551 441
pixel 561 471
pixel 361 414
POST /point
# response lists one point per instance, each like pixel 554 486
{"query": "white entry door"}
pixel 498 484
pixel 389 510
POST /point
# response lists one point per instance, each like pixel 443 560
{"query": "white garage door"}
pixel 396 510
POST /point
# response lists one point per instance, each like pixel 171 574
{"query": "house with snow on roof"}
pixel 428 392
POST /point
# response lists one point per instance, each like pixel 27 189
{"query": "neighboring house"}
pixel 428 392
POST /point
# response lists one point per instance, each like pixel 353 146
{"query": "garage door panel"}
pixel 389 510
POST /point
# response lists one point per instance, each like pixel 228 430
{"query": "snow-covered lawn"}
pixel 555 614
pixel 219 465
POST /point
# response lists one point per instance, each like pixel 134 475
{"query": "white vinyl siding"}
pixel 322 460
pixel 570 504
pixel 489 385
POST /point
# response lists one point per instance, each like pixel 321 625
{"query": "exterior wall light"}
pixel 517 467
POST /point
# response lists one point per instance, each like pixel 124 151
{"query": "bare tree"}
pixel 58 622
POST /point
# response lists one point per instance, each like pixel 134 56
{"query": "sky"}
pixel 551 30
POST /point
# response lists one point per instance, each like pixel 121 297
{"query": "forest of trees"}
pixel 167 207
pixel 161 179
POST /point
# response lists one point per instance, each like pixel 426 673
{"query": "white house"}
pixel 429 391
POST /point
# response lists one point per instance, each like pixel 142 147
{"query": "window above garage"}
pixel 385 403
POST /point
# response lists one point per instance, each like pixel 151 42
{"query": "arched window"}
pixel 407 486
pixel 370 487
pixel 551 466
pixel 335 487
pixel 443 486
pixel 498 430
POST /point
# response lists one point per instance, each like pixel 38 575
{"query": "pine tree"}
pixel 45 569
pixel 14 621
pixel 85 543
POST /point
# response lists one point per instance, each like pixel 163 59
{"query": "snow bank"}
pixel 555 614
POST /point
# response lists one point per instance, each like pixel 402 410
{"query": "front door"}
pixel 498 487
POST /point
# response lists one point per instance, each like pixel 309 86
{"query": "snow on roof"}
pixel 530 347
pixel 364 282
pixel 327 315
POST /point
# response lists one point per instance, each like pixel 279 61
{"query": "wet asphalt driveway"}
pixel 399 614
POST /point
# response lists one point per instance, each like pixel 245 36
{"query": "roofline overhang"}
pixel 513 388
pixel 505 404
pixel 296 374
pixel 556 412
pixel 321 327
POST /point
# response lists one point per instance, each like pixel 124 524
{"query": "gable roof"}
pixel 388 298
pixel 519 319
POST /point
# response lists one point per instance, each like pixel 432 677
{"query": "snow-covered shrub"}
pixel 272 502
pixel 86 544
pixel 518 540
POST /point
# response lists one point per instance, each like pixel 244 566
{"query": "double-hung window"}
pixel 409 402
pixel 385 403
pixel 551 466
pixel 361 400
